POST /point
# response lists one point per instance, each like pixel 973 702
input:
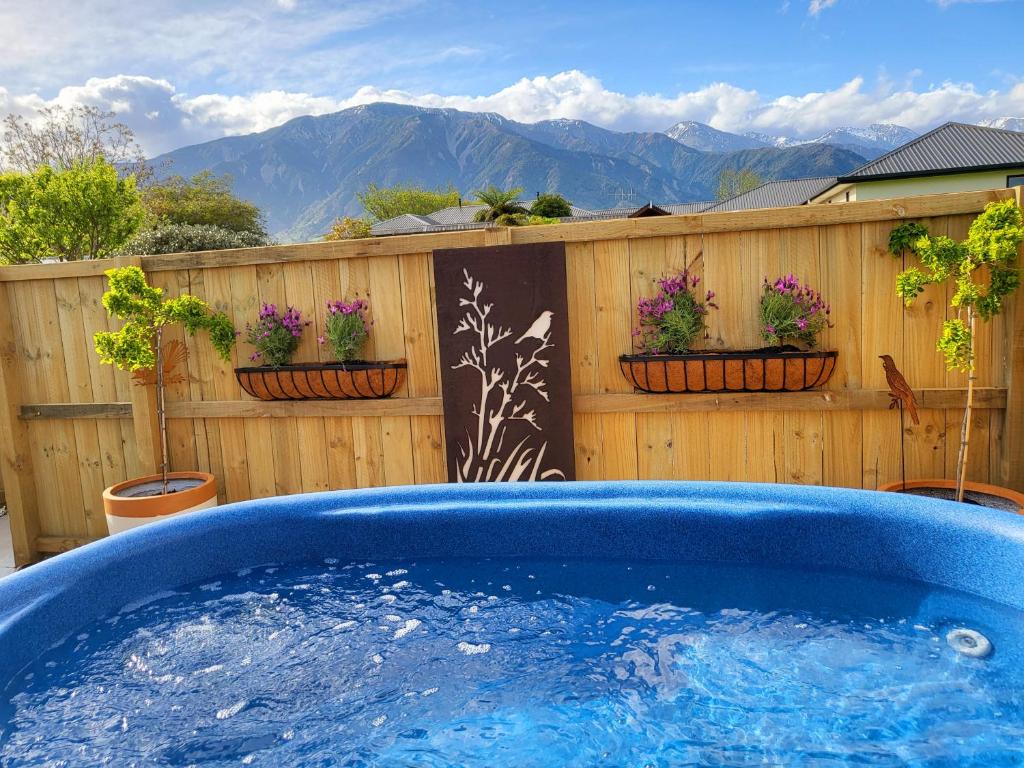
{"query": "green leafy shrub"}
pixel 790 311
pixel 350 228
pixel 138 345
pixel 903 238
pixel 145 313
pixel 82 212
pixel 186 238
pixel 983 269
pixel 551 205
pixel 347 328
pixel 673 319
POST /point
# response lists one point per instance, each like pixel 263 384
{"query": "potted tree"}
pixel 982 271
pixel 674 319
pixel 139 347
pixel 276 338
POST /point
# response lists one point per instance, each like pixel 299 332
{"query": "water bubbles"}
pixel 471 649
pixel 234 709
pixel 397 572
pixel 377 722
pixel 410 626
pixel 377 659
pixel 430 691
pixel 400 585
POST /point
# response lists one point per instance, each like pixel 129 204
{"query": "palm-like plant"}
pixel 498 201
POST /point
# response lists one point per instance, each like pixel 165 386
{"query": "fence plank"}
pixel 16 466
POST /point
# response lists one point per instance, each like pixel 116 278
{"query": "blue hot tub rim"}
pixel 970 549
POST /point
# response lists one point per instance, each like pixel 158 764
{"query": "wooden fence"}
pixel 70 427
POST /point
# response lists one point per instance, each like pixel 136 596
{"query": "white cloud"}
pixel 164 118
pixel 817 6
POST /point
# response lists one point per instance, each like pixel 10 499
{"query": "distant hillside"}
pixel 306 172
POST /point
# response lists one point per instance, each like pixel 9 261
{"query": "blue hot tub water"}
pixel 607 624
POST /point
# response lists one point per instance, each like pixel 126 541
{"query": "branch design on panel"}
pixel 505 396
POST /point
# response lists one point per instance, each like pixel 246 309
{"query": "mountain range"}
pixel 869 142
pixel 308 171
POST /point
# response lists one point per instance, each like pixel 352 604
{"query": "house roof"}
pixel 776 194
pixel 461 217
pixel 950 148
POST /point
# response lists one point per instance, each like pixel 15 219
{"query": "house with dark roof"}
pixel 776 194
pixel 955 157
pixel 461 217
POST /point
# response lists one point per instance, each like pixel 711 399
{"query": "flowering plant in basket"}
pixel 347 328
pixel 792 312
pixel 672 320
pixel 275 336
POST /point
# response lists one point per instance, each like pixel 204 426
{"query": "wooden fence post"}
pixel 1011 461
pixel 15 454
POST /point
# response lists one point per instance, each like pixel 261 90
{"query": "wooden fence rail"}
pixel 69 426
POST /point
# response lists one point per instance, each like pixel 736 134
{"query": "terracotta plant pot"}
pixel 358 380
pixel 140 501
pixel 992 496
pixel 757 370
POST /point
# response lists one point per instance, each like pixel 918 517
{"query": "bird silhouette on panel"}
pixel 899 390
pixel 540 328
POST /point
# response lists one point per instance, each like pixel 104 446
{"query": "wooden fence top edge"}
pixel 922 206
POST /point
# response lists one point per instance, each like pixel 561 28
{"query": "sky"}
pixel 180 72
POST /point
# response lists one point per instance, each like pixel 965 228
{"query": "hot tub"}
pixel 527 625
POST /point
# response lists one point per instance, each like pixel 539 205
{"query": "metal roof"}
pixel 950 148
pixel 461 217
pixel 777 194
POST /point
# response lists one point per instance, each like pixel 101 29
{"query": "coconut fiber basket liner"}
pixel 761 370
pixel 357 380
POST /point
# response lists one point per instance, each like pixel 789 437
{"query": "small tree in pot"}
pixel 983 271
pixel 139 346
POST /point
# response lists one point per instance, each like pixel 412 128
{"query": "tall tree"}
pixel 732 183
pixel 551 205
pixel 499 202
pixel 82 212
pixel 61 137
pixel 204 199
pixel 387 202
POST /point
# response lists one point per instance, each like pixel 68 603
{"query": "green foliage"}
pixel 387 202
pixel 82 212
pixel 350 228
pixel 347 328
pixel 732 183
pixel 983 269
pixel 186 238
pixel 955 345
pixel 145 311
pixel 903 238
pixel 205 200
pixel 551 205
pixel 498 202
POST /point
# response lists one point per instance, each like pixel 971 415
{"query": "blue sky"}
pixel 180 72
